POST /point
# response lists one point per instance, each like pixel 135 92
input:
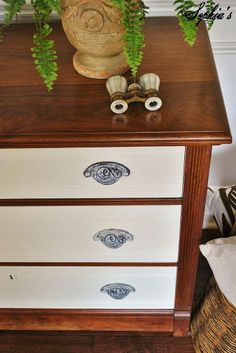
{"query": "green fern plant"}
pixel 12 8
pixel 189 25
pixel 210 6
pixel 133 14
pixel 43 51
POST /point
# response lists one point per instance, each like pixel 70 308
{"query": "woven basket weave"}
pixel 213 326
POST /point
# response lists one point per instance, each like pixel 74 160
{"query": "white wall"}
pixel 223 39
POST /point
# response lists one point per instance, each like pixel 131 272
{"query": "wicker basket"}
pixel 213 326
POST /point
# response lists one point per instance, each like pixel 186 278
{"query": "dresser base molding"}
pixel 181 323
pixel 87 320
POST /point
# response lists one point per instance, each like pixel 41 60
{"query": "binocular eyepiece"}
pixel 146 91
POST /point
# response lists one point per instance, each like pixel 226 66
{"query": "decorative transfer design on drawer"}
pixel 106 173
pixel 113 238
pixel 117 290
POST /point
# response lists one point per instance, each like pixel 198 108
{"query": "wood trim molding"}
pixel 224 47
pixel 89 202
pixel 195 184
pixel 209 222
pixel 87 320
pixel 181 323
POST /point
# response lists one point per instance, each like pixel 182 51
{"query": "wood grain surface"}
pixel 72 342
pixel 77 112
pixel 195 186
pixel 87 320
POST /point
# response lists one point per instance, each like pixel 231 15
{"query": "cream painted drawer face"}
pixel 90 233
pixel 88 287
pixel 91 172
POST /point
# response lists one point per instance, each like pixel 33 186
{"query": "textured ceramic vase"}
pixel 94 28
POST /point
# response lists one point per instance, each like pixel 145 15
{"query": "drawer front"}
pixel 90 233
pixel 87 287
pixel 91 172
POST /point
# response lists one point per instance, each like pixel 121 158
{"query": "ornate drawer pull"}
pixel 117 290
pixel 113 238
pixel 106 173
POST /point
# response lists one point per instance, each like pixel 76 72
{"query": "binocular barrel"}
pixel 146 91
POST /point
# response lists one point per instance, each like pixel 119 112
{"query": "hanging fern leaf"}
pixel 133 13
pixel 44 53
pixel 210 5
pixel 188 26
pixel 11 9
pixel 45 56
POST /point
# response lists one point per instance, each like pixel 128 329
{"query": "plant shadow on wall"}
pixel 132 14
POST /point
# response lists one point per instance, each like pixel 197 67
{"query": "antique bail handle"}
pixel 106 173
pixel 117 291
pixel 113 238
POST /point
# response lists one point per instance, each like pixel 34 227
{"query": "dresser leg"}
pixel 197 163
pixel 181 323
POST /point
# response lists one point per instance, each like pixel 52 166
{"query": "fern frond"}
pixel 210 5
pixel 44 53
pixel 11 9
pixel 188 26
pixel 45 56
pixel 133 13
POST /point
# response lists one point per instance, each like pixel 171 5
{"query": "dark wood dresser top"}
pixel 77 112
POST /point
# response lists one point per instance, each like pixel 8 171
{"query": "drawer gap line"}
pixel 89 202
pixel 90 264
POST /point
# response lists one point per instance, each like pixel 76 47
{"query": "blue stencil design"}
pixel 113 238
pixel 106 173
pixel 117 291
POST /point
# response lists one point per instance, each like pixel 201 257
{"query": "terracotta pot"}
pixel 94 28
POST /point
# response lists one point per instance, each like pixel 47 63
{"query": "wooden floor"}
pixel 79 343
pixel 74 342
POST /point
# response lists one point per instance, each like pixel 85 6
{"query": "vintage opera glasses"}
pixel 144 90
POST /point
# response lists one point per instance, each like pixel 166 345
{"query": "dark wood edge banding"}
pixel 90 202
pixel 85 312
pixel 90 264
pixel 87 320
pixel 117 140
pixel 197 164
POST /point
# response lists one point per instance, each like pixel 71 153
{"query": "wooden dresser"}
pixel 101 214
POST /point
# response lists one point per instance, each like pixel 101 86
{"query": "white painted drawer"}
pixel 75 287
pixel 59 173
pixel 67 233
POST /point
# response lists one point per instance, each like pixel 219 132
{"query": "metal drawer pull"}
pixel 117 290
pixel 106 173
pixel 113 238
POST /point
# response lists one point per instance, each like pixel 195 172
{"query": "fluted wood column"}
pixel 197 162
